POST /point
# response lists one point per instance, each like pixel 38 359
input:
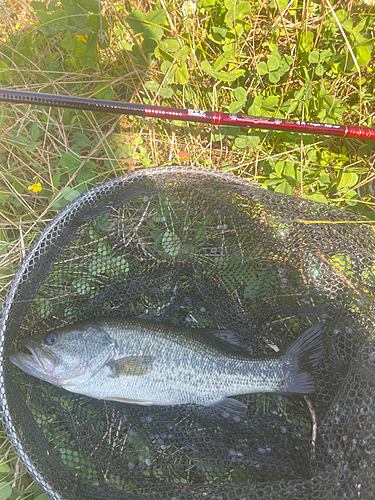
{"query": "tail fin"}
pixel 303 354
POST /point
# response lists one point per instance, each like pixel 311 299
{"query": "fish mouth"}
pixel 34 360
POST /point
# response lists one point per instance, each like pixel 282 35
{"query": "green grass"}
pixel 272 58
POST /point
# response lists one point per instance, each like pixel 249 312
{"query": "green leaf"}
pixel 341 262
pixel 171 243
pixel 284 67
pixel 20 140
pixel 81 287
pixel 181 74
pixel 35 131
pixel 319 70
pixel 170 45
pixel 242 10
pixel 77 16
pixel 238 72
pixel 151 28
pixel 349 195
pixel 114 266
pixel 56 179
pixel 68 42
pixel 70 161
pixel 235 107
pixel 363 55
pixel 241 141
pixel 154 33
pixel 359 27
pixel 254 110
pixel 285 168
pixel 258 285
pixel 314 57
pixel 316 197
pixel 275 52
pixel 166 93
pixel 247 141
pixel 136 21
pixel 5 490
pixel 262 68
pixel 158 16
pixel 60 16
pixel 230 132
pixel 224 76
pixel 120 265
pixel 274 76
pixel 81 140
pixel 42 496
pixel 38 5
pixel 96 23
pixel 43 16
pixel 86 174
pixel 325 55
pixel 324 178
pixel 221 61
pixel 307 40
pixel 221 75
pixel 66 196
pixel 273 63
pixel 16 493
pixel 18 187
pixel 348 179
pixel 89 5
pixel 270 102
pixel 252 141
pixel 282 4
pixel 220 31
pixel 284 187
pixel 4 468
pixel 293 103
pixel 342 15
pixel 89 58
pixel 153 86
pixel 240 94
pixel 104 92
pixel 4 71
pixel 23 142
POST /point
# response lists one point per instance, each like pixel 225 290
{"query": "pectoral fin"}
pixel 131 366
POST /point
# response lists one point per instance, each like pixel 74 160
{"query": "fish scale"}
pixel 142 361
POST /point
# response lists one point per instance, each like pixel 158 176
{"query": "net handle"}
pixel 188 115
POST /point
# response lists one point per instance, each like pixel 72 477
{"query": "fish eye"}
pixel 50 339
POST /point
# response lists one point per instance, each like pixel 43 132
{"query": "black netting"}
pixel 202 249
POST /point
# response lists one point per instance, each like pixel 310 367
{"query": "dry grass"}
pixel 162 143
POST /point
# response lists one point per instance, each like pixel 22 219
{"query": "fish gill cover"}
pixel 200 249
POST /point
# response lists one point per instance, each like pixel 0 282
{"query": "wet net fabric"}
pixel 200 248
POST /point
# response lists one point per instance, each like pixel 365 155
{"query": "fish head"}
pixel 65 357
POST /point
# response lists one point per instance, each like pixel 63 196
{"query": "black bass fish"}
pixel 147 362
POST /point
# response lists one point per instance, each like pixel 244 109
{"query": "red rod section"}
pixel 189 115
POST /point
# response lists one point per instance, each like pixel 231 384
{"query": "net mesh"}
pixel 200 248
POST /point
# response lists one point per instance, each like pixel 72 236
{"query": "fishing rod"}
pixel 188 115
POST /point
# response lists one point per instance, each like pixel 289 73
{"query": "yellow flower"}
pixel 81 38
pixel 35 187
